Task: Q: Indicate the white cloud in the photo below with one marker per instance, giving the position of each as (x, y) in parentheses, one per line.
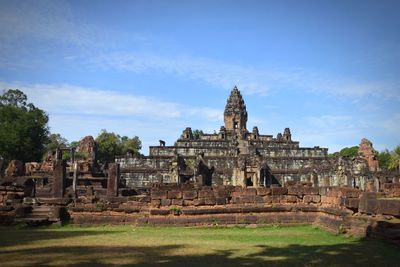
(42, 20)
(251, 80)
(55, 22)
(69, 99)
(211, 71)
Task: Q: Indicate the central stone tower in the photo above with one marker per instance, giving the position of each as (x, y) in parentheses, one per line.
(235, 114)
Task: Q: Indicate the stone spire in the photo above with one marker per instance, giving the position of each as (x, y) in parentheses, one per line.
(235, 114)
(367, 151)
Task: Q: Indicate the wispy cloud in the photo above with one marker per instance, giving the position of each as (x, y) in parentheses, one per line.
(55, 22)
(42, 20)
(251, 80)
(69, 99)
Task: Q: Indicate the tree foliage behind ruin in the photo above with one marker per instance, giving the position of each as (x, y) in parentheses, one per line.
(23, 128)
(197, 133)
(110, 144)
(349, 151)
(384, 159)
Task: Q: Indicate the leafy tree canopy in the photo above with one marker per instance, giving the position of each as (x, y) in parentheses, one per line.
(110, 144)
(197, 133)
(349, 151)
(14, 98)
(23, 128)
(384, 159)
(394, 163)
(54, 141)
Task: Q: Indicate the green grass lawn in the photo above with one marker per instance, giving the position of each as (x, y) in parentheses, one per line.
(162, 246)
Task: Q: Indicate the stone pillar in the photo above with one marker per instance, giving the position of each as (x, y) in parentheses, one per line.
(256, 178)
(75, 178)
(113, 180)
(242, 178)
(326, 181)
(72, 151)
(59, 179)
(314, 179)
(377, 185)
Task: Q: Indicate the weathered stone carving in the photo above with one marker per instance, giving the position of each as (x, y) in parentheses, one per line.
(15, 168)
(32, 167)
(47, 164)
(235, 114)
(287, 136)
(187, 133)
(87, 146)
(367, 152)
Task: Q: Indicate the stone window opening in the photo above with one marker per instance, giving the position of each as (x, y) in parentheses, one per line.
(249, 182)
(235, 124)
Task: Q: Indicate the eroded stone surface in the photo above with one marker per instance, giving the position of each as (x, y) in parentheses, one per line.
(15, 168)
(367, 151)
(87, 146)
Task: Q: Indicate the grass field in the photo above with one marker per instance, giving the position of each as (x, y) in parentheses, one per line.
(161, 246)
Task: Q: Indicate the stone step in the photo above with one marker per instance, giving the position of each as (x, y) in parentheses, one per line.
(32, 215)
(32, 220)
(43, 194)
(41, 208)
(40, 213)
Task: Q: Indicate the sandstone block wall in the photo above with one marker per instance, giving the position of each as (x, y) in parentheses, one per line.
(189, 195)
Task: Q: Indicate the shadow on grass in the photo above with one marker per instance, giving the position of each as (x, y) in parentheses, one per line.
(358, 253)
(20, 235)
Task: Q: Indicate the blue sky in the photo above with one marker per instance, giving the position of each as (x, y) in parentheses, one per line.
(329, 70)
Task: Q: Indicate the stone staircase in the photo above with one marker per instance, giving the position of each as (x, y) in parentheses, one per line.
(37, 215)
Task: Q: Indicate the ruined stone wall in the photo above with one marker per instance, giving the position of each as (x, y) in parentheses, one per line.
(142, 171)
(158, 151)
(332, 208)
(188, 195)
(209, 137)
(149, 163)
(145, 179)
(202, 143)
(292, 152)
(264, 137)
(337, 209)
(275, 144)
(10, 195)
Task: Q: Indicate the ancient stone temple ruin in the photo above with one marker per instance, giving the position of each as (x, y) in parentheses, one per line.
(234, 177)
(239, 157)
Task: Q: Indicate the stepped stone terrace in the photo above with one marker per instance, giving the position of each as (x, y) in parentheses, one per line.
(239, 157)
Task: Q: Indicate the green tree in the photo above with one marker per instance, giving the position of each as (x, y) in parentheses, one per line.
(23, 128)
(349, 151)
(74, 144)
(111, 144)
(197, 133)
(54, 141)
(384, 159)
(131, 145)
(14, 98)
(108, 145)
(394, 163)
